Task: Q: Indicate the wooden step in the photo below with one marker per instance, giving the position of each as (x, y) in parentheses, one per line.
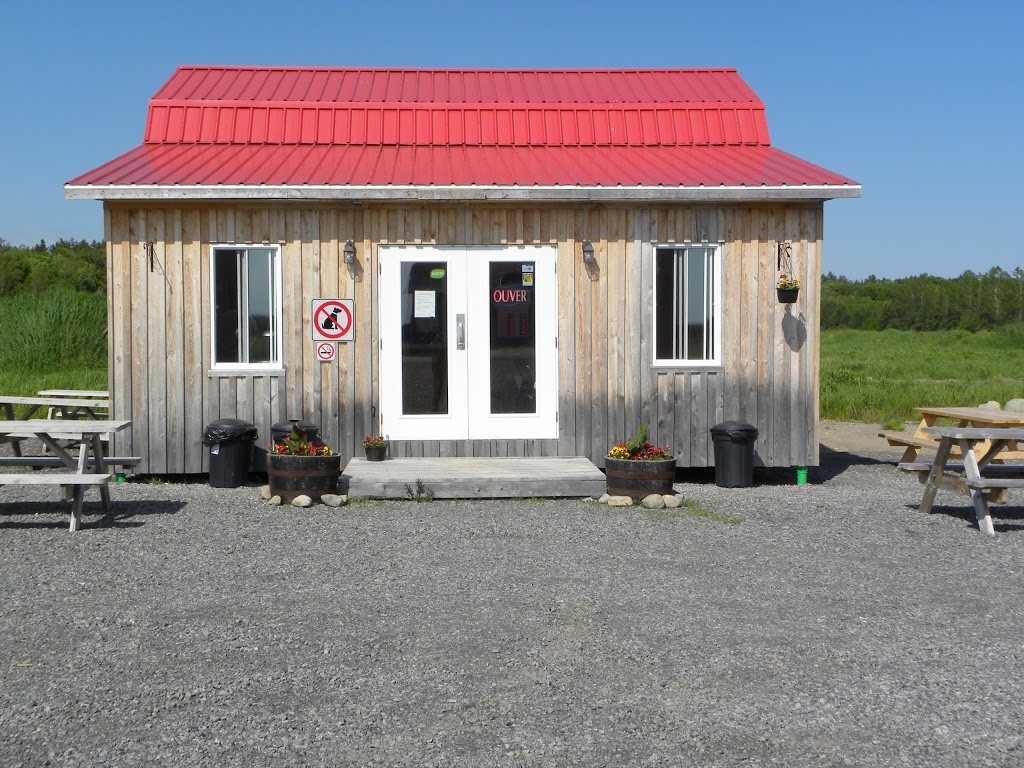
(459, 477)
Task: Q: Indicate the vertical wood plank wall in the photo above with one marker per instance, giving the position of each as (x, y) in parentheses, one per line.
(160, 341)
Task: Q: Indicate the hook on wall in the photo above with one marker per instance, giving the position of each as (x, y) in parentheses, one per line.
(785, 257)
(149, 249)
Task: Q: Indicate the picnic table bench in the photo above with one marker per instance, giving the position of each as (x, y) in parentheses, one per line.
(90, 468)
(966, 417)
(984, 481)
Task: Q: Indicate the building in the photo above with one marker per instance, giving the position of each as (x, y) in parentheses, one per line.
(537, 261)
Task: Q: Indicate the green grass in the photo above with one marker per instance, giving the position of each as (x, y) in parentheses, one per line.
(54, 340)
(879, 376)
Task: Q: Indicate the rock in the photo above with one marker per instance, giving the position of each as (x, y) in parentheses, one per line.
(274, 501)
(333, 499)
(673, 501)
(302, 501)
(654, 501)
(265, 492)
(1016, 405)
(619, 501)
(604, 499)
(991, 405)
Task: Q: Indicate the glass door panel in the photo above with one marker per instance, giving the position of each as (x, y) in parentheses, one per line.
(513, 342)
(513, 365)
(422, 370)
(424, 293)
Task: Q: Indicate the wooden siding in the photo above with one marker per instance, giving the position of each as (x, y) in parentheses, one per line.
(160, 343)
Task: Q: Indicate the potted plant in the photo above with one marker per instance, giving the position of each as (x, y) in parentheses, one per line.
(636, 468)
(787, 289)
(376, 447)
(298, 467)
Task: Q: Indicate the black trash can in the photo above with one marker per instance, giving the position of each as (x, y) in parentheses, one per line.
(282, 429)
(230, 442)
(734, 454)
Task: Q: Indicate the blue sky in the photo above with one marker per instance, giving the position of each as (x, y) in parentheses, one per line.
(920, 102)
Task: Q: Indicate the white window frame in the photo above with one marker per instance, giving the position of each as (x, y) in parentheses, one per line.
(712, 292)
(278, 337)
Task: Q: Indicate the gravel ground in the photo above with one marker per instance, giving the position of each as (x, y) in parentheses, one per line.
(820, 625)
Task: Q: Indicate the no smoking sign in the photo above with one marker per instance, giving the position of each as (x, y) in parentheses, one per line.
(333, 320)
(325, 351)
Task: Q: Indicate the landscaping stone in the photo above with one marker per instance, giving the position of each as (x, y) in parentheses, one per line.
(274, 501)
(333, 499)
(604, 499)
(991, 405)
(619, 501)
(1016, 405)
(265, 492)
(654, 501)
(302, 501)
(673, 502)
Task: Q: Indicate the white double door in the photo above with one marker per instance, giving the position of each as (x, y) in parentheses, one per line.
(468, 343)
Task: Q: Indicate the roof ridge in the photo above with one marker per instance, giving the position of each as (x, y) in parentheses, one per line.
(527, 70)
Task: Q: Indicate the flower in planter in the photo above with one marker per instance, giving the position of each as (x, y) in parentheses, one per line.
(296, 444)
(787, 283)
(374, 441)
(638, 449)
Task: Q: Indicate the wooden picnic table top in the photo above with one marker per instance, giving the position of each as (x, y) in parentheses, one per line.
(61, 427)
(87, 393)
(974, 415)
(976, 434)
(57, 402)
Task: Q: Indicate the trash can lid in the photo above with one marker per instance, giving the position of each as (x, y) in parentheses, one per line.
(227, 430)
(734, 429)
(286, 426)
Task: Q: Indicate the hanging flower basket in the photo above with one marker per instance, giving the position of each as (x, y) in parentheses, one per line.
(787, 289)
(787, 295)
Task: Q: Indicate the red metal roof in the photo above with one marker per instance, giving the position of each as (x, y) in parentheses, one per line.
(254, 126)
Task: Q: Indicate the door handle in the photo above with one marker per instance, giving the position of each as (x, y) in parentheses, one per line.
(460, 331)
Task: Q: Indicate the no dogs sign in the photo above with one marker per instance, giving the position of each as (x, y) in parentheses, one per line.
(333, 320)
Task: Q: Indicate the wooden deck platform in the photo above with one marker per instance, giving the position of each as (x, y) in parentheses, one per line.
(460, 477)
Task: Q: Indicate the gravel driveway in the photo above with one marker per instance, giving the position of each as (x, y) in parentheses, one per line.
(818, 625)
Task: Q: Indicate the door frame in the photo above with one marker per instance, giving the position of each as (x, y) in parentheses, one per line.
(469, 416)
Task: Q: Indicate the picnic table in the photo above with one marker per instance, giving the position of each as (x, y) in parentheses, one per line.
(981, 477)
(56, 408)
(90, 467)
(979, 418)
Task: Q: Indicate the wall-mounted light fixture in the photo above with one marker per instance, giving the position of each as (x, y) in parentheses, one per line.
(350, 253)
(588, 252)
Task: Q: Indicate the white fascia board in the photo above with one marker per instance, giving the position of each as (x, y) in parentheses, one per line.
(462, 193)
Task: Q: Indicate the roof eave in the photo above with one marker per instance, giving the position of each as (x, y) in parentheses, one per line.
(459, 193)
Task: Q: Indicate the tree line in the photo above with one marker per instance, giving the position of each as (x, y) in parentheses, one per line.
(66, 265)
(971, 302)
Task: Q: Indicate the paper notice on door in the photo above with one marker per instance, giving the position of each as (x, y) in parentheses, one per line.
(424, 304)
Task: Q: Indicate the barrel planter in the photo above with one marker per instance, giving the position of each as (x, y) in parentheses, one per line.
(639, 478)
(312, 476)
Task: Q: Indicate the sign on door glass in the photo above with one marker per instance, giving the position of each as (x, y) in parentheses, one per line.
(513, 349)
(424, 338)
